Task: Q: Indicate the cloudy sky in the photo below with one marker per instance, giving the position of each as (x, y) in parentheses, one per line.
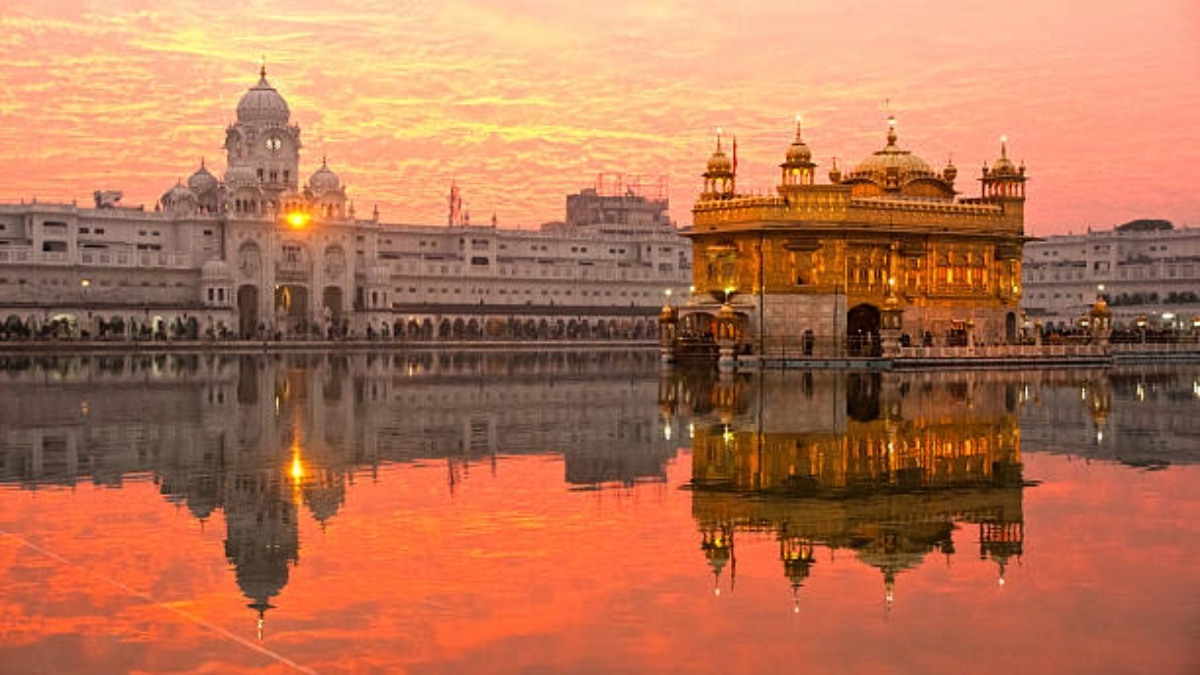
(524, 101)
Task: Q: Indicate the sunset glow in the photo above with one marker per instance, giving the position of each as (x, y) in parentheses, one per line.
(524, 101)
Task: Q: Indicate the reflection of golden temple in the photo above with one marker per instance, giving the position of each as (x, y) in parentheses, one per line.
(717, 544)
(882, 464)
(796, 552)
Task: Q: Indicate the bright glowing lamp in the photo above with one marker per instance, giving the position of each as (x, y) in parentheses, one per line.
(298, 220)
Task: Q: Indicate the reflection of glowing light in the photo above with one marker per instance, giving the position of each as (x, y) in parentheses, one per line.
(717, 591)
(1099, 436)
(1001, 581)
(1196, 389)
(297, 220)
(667, 432)
(1141, 392)
(1083, 394)
(297, 470)
(691, 431)
(728, 435)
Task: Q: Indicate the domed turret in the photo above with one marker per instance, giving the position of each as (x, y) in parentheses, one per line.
(1003, 166)
(262, 104)
(719, 162)
(835, 174)
(178, 193)
(324, 180)
(798, 152)
(950, 172)
(1003, 180)
(720, 174)
(202, 181)
(798, 165)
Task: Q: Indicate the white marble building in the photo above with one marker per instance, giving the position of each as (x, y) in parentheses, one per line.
(257, 253)
(1144, 269)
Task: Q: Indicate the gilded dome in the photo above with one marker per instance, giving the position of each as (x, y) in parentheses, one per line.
(905, 164)
(798, 152)
(202, 181)
(1004, 165)
(950, 172)
(324, 180)
(262, 104)
(719, 162)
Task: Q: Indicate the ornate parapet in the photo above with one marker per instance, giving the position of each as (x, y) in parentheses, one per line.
(827, 203)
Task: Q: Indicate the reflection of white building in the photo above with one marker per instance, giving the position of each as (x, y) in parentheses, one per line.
(259, 250)
(1143, 268)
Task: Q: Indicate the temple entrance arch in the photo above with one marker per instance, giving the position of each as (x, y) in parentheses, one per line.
(862, 331)
(247, 307)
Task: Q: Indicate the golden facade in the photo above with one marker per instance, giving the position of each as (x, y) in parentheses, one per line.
(818, 266)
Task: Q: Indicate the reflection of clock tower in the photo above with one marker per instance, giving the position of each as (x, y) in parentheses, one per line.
(263, 152)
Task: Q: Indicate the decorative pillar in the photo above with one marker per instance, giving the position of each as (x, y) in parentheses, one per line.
(1101, 321)
(668, 330)
(727, 338)
(891, 324)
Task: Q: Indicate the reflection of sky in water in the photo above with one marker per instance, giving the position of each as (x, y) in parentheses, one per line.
(381, 520)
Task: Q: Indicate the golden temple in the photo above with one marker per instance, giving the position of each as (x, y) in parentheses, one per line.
(885, 254)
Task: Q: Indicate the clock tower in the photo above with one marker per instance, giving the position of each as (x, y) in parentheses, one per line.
(263, 152)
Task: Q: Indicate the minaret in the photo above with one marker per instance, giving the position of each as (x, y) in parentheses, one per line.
(1004, 184)
(719, 179)
(798, 165)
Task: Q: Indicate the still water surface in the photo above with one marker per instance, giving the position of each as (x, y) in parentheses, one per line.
(590, 513)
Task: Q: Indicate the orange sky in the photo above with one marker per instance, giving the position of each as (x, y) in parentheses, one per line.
(523, 101)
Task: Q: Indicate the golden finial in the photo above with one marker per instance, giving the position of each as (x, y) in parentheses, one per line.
(891, 137)
(262, 66)
(718, 139)
(798, 127)
(1004, 146)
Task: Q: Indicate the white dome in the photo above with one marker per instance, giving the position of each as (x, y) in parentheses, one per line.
(216, 270)
(262, 104)
(177, 194)
(202, 181)
(324, 180)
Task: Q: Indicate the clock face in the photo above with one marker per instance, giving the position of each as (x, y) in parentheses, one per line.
(274, 144)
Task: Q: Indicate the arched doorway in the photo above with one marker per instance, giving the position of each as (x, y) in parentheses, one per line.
(1010, 328)
(291, 308)
(862, 331)
(247, 303)
(331, 304)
